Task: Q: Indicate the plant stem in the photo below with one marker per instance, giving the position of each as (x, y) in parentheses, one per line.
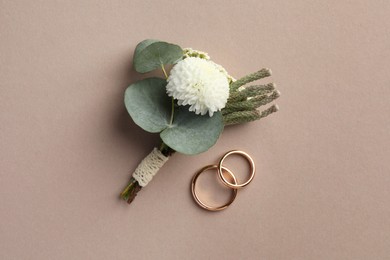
(172, 111)
(166, 150)
(133, 187)
(163, 69)
(173, 100)
(131, 190)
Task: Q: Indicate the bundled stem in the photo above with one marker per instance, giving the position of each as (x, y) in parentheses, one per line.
(131, 190)
(133, 187)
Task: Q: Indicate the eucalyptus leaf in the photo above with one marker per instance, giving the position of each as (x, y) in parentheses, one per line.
(152, 54)
(142, 45)
(148, 104)
(191, 133)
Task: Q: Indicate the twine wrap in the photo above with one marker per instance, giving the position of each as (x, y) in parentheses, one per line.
(149, 166)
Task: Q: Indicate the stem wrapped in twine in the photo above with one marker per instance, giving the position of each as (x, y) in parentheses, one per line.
(149, 166)
(144, 173)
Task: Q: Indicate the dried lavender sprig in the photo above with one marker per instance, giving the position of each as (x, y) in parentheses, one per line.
(250, 78)
(251, 103)
(236, 96)
(248, 104)
(267, 99)
(241, 117)
(250, 91)
(257, 90)
(272, 109)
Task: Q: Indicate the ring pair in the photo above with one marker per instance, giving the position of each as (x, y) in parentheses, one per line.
(220, 170)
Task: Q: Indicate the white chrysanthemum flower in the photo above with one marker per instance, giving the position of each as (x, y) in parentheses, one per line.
(222, 69)
(189, 52)
(199, 83)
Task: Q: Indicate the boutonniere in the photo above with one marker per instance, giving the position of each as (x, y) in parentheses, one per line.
(190, 105)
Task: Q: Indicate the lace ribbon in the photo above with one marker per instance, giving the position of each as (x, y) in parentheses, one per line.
(149, 166)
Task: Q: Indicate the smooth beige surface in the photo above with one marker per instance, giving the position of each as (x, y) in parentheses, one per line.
(67, 145)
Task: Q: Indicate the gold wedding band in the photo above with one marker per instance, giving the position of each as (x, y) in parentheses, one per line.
(219, 168)
(235, 185)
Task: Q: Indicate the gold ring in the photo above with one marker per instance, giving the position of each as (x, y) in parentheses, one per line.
(195, 195)
(235, 185)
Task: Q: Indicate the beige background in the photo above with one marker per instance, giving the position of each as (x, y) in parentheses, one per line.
(67, 145)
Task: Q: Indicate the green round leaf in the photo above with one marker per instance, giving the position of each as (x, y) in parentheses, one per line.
(152, 54)
(148, 104)
(191, 133)
(142, 45)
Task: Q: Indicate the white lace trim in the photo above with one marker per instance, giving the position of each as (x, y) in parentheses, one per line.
(149, 166)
